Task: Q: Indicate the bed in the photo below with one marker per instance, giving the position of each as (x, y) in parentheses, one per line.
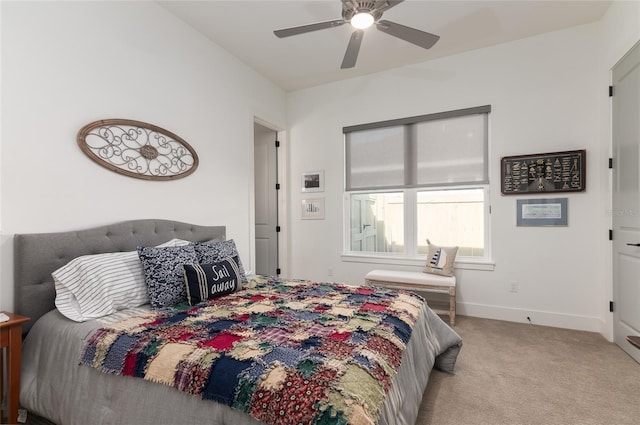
(57, 387)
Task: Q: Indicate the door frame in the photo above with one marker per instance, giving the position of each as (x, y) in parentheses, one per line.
(616, 246)
(283, 198)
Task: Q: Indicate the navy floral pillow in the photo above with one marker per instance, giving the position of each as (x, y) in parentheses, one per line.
(213, 252)
(163, 273)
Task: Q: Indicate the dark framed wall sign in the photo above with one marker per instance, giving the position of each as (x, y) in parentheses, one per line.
(544, 173)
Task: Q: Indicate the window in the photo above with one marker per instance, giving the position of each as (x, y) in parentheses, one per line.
(452, 217)
(377, 222)
(418, 178)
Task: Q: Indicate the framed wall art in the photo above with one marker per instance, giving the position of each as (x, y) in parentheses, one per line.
(543, 173)
(542, 212)
(313, 209)
(313, 181)
(137, 149)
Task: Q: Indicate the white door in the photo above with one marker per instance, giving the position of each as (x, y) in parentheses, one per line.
(626, 200)
(266, 200)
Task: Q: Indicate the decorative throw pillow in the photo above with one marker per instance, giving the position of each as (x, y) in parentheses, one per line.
(207, 281)
(213, 252)
(163, 273)
(440, 259)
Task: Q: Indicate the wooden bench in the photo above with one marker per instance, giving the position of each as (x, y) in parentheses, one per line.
(418, 281)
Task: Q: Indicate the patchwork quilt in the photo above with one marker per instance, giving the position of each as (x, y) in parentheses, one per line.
(283, 351)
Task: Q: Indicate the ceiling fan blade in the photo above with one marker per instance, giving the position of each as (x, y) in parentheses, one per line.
(351, 55)
(412, 35)
(287, 32)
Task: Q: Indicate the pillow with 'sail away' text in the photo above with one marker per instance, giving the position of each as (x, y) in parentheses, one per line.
(212, 252)
(208, 281)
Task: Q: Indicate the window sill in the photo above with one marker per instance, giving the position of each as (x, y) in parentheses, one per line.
(461, 263)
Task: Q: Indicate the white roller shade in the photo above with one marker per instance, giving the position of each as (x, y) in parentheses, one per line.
(451, 151)
(447, 148)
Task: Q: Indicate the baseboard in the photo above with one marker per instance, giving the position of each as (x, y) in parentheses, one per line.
(537, 317)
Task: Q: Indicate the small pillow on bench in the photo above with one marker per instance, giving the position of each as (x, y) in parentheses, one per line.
(440, 259)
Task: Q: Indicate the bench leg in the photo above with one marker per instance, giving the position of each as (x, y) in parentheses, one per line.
(452, 306)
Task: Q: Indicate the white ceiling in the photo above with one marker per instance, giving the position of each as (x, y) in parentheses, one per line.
(245, 29)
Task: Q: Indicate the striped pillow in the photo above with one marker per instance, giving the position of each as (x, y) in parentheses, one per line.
(93, 286)
(207, 281)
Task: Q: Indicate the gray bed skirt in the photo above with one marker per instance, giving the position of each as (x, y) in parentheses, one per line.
(56, 387)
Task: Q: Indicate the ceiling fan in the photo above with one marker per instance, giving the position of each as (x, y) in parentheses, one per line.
(362, 15)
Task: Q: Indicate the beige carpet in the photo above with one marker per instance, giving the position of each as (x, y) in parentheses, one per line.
(517, 374)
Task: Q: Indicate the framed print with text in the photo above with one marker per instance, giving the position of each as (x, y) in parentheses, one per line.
(542, 212)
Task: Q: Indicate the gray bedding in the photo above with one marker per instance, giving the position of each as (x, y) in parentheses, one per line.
(56, 387)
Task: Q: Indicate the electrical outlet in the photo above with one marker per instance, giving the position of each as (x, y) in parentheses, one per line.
(329, 271)
(513, 286)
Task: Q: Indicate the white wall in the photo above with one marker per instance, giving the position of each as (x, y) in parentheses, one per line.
(621, 29)
(547, 93)
(65, 64)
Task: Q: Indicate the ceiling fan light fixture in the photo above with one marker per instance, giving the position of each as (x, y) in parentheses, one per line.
(362, 20)
(362, 15)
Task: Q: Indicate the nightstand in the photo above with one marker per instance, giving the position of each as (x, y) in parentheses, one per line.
(10, 354)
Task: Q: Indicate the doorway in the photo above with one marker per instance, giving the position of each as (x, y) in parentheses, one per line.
(266, 200)
(626, 200)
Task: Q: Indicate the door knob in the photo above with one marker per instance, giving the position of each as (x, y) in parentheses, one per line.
(633, 244)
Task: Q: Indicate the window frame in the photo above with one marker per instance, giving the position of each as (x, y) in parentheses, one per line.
(410, 256)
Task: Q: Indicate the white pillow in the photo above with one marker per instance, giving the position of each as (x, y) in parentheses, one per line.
(93, 286)
(175, 242)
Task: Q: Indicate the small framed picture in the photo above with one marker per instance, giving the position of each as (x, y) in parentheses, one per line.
(313, 209)
(313, 181)
(542, 212)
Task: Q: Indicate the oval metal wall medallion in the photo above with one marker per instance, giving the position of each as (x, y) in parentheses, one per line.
(137, 149)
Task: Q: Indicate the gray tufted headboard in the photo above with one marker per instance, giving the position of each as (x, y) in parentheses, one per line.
(36, 255)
